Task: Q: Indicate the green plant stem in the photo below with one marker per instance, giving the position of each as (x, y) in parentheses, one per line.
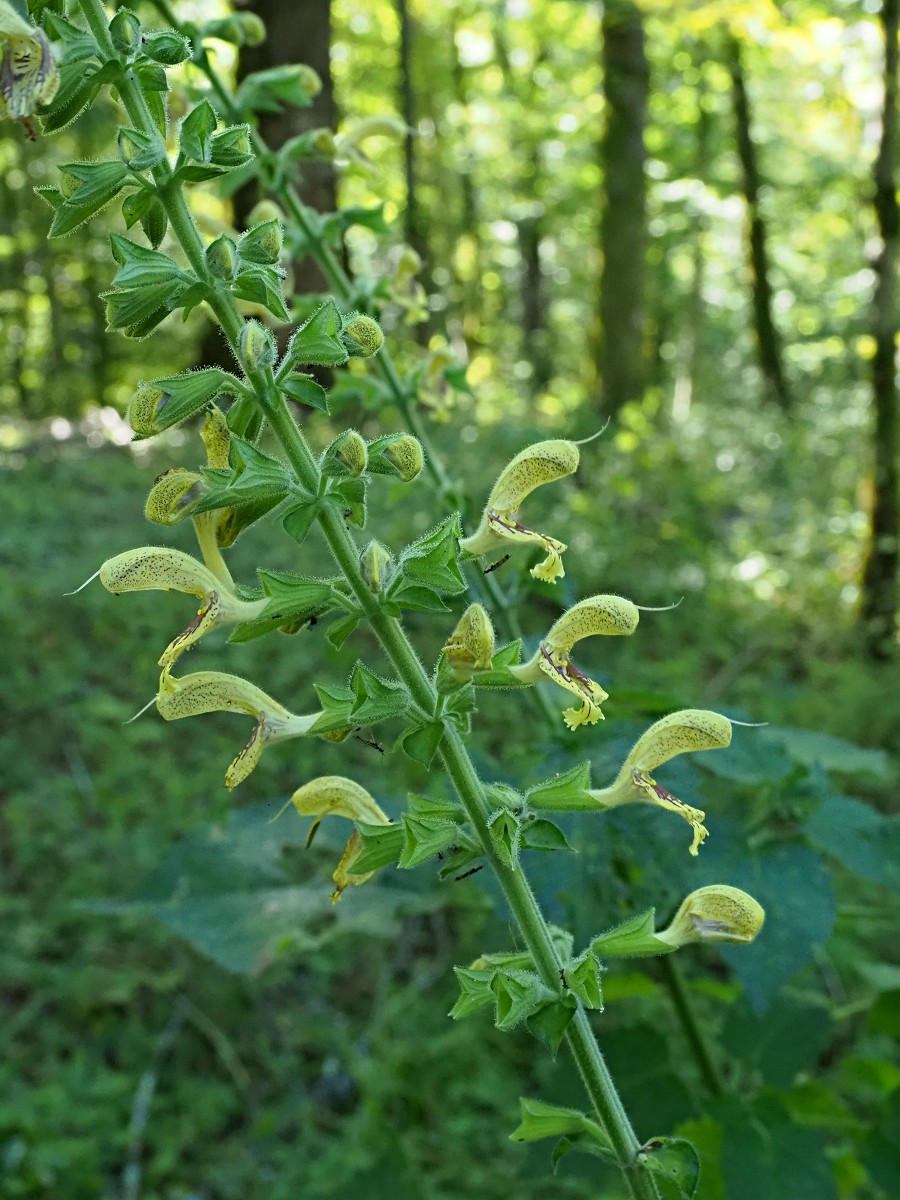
(678, 991)
(399, 649)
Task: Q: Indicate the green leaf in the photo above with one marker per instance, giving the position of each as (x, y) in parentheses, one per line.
(634, 938)
(540, 1120)
(550, 1021)
(860, 838)
(381, 846)
(305, 390)
(262, 479)
(766, 1154)
(298, 520)
(295, 595)
(433, 560)
(376, 699)
(475, 991)
(197, 129)
(262, 285)
(519, 995)
(568, 792)
(675, 1160)
(141, 150)
(140, 309)
(416, 597)
(231, 147)
(582, 976)
(271, 89)
(260, 245)
(80, 84)
(139, 267)
(154, 223)
(349, 497)
(424, 806)
(498, 676)
(317, 342)
(424, 837)
(504, 830)
(422, 741)
(340, 630)
(98, 183)
(543, 835)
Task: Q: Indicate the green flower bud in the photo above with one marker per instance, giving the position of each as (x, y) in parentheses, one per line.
(125, 30)
(376, 565)
(145, 407)
(347, 455)
(406, 455)
(308, 79)
(323, 142)
(470, 647)
(241, 29)
(68, 184)
(262, 244)
(258, 346)
(362, 336)
(221, 257)
(172, 495)
(166, 47)
(717, 913)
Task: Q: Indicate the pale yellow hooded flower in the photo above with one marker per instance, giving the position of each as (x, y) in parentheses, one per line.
(333, 795)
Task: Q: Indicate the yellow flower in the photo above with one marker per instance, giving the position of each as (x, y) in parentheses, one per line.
(29, 74)
(470, 646)
(717, 913)
(157, 568)
(333, 795)
(541, 463)
(606, 615)
(214, 691)
(678, 733)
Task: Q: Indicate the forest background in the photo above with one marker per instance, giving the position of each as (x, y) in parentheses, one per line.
(680, 218)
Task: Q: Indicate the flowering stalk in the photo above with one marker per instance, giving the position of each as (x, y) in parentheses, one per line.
(326, 490)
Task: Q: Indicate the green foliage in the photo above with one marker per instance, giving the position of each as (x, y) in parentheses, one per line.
(320, 1089)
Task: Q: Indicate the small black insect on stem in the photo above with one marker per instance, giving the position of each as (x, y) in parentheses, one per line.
(562, 978)
(466, 874)
(371, 744)
(497, 565)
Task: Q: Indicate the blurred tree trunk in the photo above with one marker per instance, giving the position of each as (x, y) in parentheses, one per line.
(768, 340)
(692, 331)
(529, 221)
(299, 32)
(415, 231)
(880, 584)
(471, 306)
(623, 225)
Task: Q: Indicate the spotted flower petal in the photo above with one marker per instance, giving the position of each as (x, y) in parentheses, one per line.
(678, 733)
(544, 462)
(604, 615)
(157, 568)
(333, 795)
(214, 691)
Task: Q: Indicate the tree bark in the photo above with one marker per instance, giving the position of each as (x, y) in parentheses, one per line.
(881, 583)
(414, 226)
(768, 340)
(623, 226)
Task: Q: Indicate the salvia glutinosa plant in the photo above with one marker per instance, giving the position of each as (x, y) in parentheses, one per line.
(550, 986)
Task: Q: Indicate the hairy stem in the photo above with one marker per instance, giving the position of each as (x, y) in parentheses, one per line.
(396, 644)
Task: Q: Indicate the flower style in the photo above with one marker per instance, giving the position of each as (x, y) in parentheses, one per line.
(717, 913)
(470, 647)
(157, 568)
(607, 615)
(214, 691)
(678, 733)
(333, 795)
(541, 463)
